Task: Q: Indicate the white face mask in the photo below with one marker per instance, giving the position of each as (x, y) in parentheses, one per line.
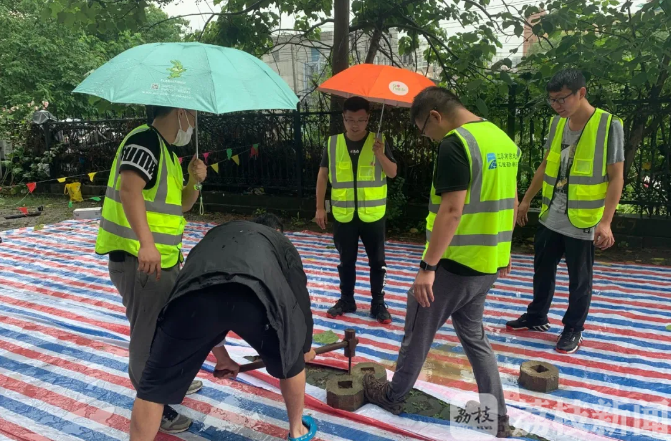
(183, 137)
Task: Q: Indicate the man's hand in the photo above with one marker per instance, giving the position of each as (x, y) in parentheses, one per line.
(227, 365)
(378, 147)
(149, 260)
(522, 211)
(603, 236)
(309, 356)
(197, 170)
(423, 287)
(506, 271)
(320, 218)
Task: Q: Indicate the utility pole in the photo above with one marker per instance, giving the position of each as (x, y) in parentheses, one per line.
(340, 54)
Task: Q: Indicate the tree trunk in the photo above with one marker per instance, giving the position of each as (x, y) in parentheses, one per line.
(374, 46)
(339, 56)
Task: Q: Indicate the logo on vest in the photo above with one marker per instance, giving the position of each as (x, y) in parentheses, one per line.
(398, 88)
(491, 161)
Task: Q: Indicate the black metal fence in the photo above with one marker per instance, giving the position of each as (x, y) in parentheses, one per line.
(291, 145)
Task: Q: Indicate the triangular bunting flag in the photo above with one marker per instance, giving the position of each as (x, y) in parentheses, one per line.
(91, 176)
(254, 152)
(205, 156)
(180, 160)
(229, 153)
(215, 167)
(236, 159)
(31, 186)
(61, 180)
(23, 210)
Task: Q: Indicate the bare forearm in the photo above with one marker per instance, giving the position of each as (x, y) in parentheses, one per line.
(389, 167)
(189, 196)
(221, 353)
(444, 227)
(536, 184)
(322, 182)
(612, 198)
(134, 207)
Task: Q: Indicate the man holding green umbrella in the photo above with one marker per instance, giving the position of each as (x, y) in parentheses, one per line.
(142, 218)
(141, 230)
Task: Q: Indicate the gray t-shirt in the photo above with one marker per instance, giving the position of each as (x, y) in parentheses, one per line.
(556, 218)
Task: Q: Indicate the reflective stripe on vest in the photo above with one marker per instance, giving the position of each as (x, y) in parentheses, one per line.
(587, 182)
(163, 206)
(371, 193)
(484, 235)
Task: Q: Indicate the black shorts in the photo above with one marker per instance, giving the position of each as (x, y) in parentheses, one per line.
(192, 325)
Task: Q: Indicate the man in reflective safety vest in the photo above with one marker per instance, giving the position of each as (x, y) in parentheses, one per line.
(469, 231)
(582, 179)
(141, 230)
(357, 165)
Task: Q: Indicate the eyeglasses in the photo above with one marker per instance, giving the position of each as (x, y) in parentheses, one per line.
(426, 121)
(562, 100)
(356, 121)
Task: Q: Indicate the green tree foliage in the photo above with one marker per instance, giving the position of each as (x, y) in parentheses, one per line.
(42, 60)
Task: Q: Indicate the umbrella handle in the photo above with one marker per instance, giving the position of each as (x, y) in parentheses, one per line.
(379, 128)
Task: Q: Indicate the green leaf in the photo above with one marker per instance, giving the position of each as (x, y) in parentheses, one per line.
(639, 79)
(326, 338)
(97, 199)
(482, 107)
(503, 89)
(546, 70)
(474, 85)
(668, 327)
(70, 204)
(505, 77)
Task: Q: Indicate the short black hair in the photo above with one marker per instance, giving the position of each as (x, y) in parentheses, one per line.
(571, 78)
(434, 98)
(356, 103)
(270, 220)
(157, 111)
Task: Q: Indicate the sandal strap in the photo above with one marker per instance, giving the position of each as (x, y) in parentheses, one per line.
(309, 424)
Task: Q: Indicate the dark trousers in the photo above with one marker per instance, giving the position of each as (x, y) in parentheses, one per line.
(550, 247)
(346, 237)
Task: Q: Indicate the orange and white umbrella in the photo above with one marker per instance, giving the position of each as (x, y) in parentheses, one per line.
(382, 84)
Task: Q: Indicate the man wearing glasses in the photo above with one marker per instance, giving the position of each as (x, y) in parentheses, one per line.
(469, 231)
(581, 179)
(357, 166)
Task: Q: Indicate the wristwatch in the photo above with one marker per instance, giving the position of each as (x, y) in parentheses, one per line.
(426, 267)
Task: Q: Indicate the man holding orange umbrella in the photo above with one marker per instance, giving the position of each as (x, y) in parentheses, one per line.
(357, 163)
(359, 202)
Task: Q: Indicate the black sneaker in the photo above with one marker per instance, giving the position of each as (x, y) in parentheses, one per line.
(378, 310)
(523, 323)
(341, 307)
(569, 341)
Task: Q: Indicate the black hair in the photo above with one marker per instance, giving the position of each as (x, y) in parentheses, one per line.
(270, 220)
(158, 111)
(356, 103)
(434, 98)
(571, 78)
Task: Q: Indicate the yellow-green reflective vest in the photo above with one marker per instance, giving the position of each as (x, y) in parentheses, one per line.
(163, 203)
(588, 178)
(371, 182)
(483, 238)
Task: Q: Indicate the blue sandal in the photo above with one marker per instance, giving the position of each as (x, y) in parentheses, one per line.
(311, 425)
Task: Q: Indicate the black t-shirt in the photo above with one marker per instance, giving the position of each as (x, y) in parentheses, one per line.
(354, 148)
(453, 173)
(141, 154)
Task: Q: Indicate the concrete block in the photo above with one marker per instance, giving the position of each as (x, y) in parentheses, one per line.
(363, 369)
(539, 376)
(345, 392)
